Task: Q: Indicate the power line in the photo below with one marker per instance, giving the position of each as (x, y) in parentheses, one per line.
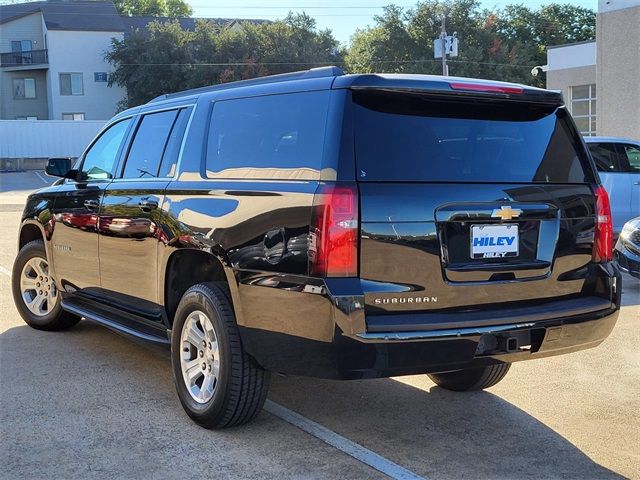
(240, 64)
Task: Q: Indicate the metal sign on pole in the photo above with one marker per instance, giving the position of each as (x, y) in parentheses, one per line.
(445, 45)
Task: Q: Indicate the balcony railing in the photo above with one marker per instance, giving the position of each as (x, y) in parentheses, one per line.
(20, 59)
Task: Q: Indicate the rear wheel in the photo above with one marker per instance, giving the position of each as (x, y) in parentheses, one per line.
(471, 378)
(34, 291)
(218, 384)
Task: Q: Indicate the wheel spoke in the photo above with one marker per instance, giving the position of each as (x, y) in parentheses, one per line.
(38, 268)
(207, 386)
(195, 336)
(28, 283)
(35, 305)
(40, 304)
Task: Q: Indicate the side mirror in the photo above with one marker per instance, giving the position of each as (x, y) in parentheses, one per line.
(60, 167)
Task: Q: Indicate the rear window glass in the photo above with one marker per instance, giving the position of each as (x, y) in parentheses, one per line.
(404, 137)
(278, 137)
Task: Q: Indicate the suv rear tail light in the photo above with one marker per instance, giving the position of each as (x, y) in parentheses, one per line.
(333, 242)
(603, 235)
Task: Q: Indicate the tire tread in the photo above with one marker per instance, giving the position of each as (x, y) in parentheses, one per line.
(472, 378)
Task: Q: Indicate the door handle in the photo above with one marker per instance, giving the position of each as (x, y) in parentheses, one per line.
(636, 183)
(91, 204)
(148, 205)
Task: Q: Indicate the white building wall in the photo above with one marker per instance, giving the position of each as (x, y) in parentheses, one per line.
(572, 56)
(618, 79)
(82, 52)
(45, 138)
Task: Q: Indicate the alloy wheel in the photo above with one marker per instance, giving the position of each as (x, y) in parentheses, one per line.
(199, 356)
(39, 292)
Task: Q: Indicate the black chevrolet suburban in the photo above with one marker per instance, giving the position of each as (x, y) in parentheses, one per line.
(329, 225)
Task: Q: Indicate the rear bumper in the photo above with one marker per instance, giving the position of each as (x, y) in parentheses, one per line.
(372, 355)
(342, 347)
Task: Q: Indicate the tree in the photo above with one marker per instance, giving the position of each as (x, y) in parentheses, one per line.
(503, 44)
(165, 58)
(156, 8)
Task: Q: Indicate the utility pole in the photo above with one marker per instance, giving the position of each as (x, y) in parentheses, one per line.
(443, 40)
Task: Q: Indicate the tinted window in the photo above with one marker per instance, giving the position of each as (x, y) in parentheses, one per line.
(270, 137)
(632, 152)
(171, 152)
(145, 154)
(403, 137)
(100, 160)
(605, 156)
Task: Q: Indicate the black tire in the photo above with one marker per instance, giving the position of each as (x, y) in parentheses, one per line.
(471, 378)
(242, 385)
(56, 318)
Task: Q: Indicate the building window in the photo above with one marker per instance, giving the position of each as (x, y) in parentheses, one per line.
(26, 118)
(24, 88)
(22, 51)
(73, 116)
(583, 108)
(71, 84)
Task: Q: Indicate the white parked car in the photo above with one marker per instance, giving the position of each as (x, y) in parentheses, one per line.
(618, 162)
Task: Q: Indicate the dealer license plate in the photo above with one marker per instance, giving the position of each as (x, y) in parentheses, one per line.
(494, 241)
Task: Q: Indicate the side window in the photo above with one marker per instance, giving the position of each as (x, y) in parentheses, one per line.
(605, 156)
(632, 152)
(145, 154)
(171, 152)
(275, 137)
(100, 160)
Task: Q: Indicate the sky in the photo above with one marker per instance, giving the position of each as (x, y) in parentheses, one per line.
(343, 17)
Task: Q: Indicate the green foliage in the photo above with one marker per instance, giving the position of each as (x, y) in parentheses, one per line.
(157, 8)
(503, 44)
(167, 58)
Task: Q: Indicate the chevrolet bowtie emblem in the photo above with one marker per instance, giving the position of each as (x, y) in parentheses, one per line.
(506, 213)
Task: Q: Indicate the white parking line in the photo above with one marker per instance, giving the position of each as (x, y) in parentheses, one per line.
(4, 271)
(343, 444)
(42, 178)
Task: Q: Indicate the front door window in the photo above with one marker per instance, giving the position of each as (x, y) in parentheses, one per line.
(99, 162)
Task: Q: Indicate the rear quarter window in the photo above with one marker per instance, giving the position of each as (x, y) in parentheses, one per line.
(404, 137)
(273, 137)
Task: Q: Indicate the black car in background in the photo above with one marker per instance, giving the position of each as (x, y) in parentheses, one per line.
(627, 249)
(331, 225)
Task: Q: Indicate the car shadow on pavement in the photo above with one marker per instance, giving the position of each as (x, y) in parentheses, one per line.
(438, 433)
(107, 400)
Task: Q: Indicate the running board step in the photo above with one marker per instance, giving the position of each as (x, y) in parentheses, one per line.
(114, 320)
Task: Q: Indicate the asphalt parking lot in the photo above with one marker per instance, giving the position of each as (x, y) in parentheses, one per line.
(89, 403)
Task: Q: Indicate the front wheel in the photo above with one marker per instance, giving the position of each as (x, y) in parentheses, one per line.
(34, 290)
(218, 384)
(471, 378)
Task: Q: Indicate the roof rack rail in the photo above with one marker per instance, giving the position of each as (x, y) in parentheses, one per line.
(318, 72)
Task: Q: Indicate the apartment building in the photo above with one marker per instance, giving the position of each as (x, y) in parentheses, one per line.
(600, 79)
(52, 60)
